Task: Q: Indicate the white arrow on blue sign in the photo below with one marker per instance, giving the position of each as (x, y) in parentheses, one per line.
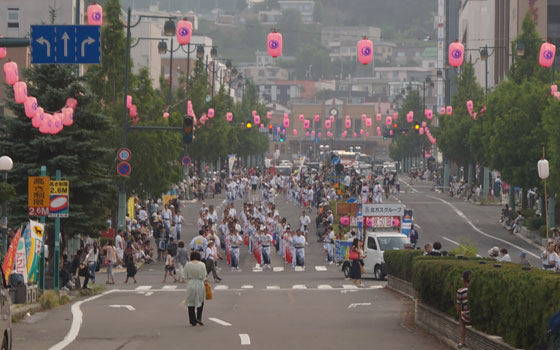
(70, 44)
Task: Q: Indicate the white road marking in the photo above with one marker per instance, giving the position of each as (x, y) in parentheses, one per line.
(299, 269)
(299, 286)
(349, 286)
(344, 291)
(247, 286)
(257, 269)
(220, 322)
(460, 213)
(272, 287)
(320, 268)
(245, 340)
(77, 317)
(143, 287)
(452, 241)
(129, 307)
(148, 294)
(354, 305)
(221, 287)
(324, 286)
(169, 287)
(278, 269)
(376, 287)
(415, 224)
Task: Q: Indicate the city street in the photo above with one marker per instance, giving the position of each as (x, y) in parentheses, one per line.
(272, 309)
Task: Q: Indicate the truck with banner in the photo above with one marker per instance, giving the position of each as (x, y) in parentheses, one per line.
(382, 230)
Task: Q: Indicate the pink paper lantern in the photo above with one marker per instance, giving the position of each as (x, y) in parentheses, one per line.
(278, 129)
(3, 51)
(312, 132)
(365, 51)
(307, 133)
(229, 117)
(11, 73)
(553, 89)
(424, 124)
(184, 31)
(449, 110)
(367, 133)
(346, 116)
(331, 118)
(30, 105)
(301, 118)
(546, 56)
(132, 111)
(286, 123)
(38, 118)
(345, 220)
(95, 14)
(44, 127)
(67, 115)
(165, 115)
(470, 106)
(257, 119)
(58, 122)
(362, 132)
(395, 116)
(475, 114)
(319, 134)
(327, 124)
(364, 117)
(378, 117)
(456, 54)
(369, 122)
(428, 113)
(286, 115)
(274, 44)
(442, 110)
(409, 117)
(378, 129)
(211, 113)
(253, 113)
(421, 131)
(262, 126)
(391, 132)
(306, 124)
(268, 115)
(355, 134)
(284, 131)
(344, 133)
(348, 123)
(369, 221)
(396, 222)
(317, 118)
(329, 134)
(71, 102)
(20, 92)
(388, 121)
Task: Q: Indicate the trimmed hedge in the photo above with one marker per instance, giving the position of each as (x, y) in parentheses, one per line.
(507, 301)
(399, 264)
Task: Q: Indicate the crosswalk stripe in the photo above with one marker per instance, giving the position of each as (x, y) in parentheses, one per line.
(247, 286)
(299, 269)
(278, 269)
(349, 286)
(320, 268)
(257, 269)
(299, 286)
(169, 287)
(221, 286)
(324, 286)
(272, 287)
(143, 287)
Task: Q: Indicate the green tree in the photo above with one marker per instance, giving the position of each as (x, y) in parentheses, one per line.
(292, 28)
(410, 143)
(78, 151)
(453, 133)
(318, 12)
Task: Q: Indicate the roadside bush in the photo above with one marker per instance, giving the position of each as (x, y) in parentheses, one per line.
(528, 213)
(534, 223)
(507, 301)
(49, 300)
(465, 249)
(399, 262)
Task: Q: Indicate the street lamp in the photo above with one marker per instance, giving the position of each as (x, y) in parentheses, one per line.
(6, 164)
(162, 47)
(169, 27)
(542, 167)
(520, 49)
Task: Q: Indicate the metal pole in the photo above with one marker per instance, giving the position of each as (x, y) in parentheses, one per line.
(213, 76)
(171, 74)
(122, 193)
(4, 219)
(56, 255)
(188, 69)
(41, 277)
(545, 207)
(486, 75)
(185, 148)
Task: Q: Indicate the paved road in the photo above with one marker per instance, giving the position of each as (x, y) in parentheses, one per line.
(272, 309)
(452, 221)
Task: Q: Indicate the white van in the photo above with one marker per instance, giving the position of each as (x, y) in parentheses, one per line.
(374, 246)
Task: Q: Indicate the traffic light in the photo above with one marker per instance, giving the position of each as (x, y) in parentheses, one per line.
(188, 129)
(270, 129)
(248, 125)
(395, 125)
(282, 138)
(416, 126)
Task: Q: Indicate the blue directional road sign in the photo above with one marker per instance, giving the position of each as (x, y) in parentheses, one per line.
(70, 44)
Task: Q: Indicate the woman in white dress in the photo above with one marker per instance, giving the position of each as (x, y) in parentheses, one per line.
(194, 274)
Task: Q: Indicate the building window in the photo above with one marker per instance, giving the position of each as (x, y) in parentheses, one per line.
(13, 18)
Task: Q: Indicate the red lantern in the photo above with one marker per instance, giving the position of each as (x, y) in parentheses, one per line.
(294, 132)
(388, 120)
(3, 51)
(449, 110)
(165, 115)
(301, 118)
(378, 117)
(128, 101)
(38, 118)
(347, 123)
(257, 119)
(429, 114)
(95, 14)
(306, 124)
(30, 105)
(327, 124)
(286, 122)
(11, 73)
(274, 44)
(546, 56)
(71, 102)
(268, 115)
(20, 91)
(456, 54)
(369, 122)
(317, 118)
(67, 114)
(184, 31)
(307, 133)
(378, 129)
(365, 51)
(132, 111)
(442, 110)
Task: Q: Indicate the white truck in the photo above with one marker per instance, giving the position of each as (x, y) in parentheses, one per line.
(374, 245)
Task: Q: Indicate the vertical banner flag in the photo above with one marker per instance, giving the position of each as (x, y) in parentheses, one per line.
(21, 259)
(10, 256)
(37, 230)
(130, 207)
(231, 162)
(27, 236)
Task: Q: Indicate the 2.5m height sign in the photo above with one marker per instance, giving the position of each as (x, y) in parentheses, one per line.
(59, 198)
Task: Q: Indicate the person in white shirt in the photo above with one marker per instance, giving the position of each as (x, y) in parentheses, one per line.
(178, 220)
(211, 255)
(377, 193)
(304, 222)
(235, 241)
(299, 245)
(142, 215)
(365, 192)
(504, 256)
(119, 244)
(329, 239)
(266, 240)
(347, 181)
(166, 215)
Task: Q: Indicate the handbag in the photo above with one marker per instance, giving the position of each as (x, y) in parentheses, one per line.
(353, 255)
(209, 295)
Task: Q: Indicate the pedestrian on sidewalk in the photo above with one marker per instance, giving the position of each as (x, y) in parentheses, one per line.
(463, 308)
(181, 259)
(111, 259)
(195, 275)
(413, 234)
(169, 268)
(355, 269)
(91, 260)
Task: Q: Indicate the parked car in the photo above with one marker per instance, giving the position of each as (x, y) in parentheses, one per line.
(5, 315)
